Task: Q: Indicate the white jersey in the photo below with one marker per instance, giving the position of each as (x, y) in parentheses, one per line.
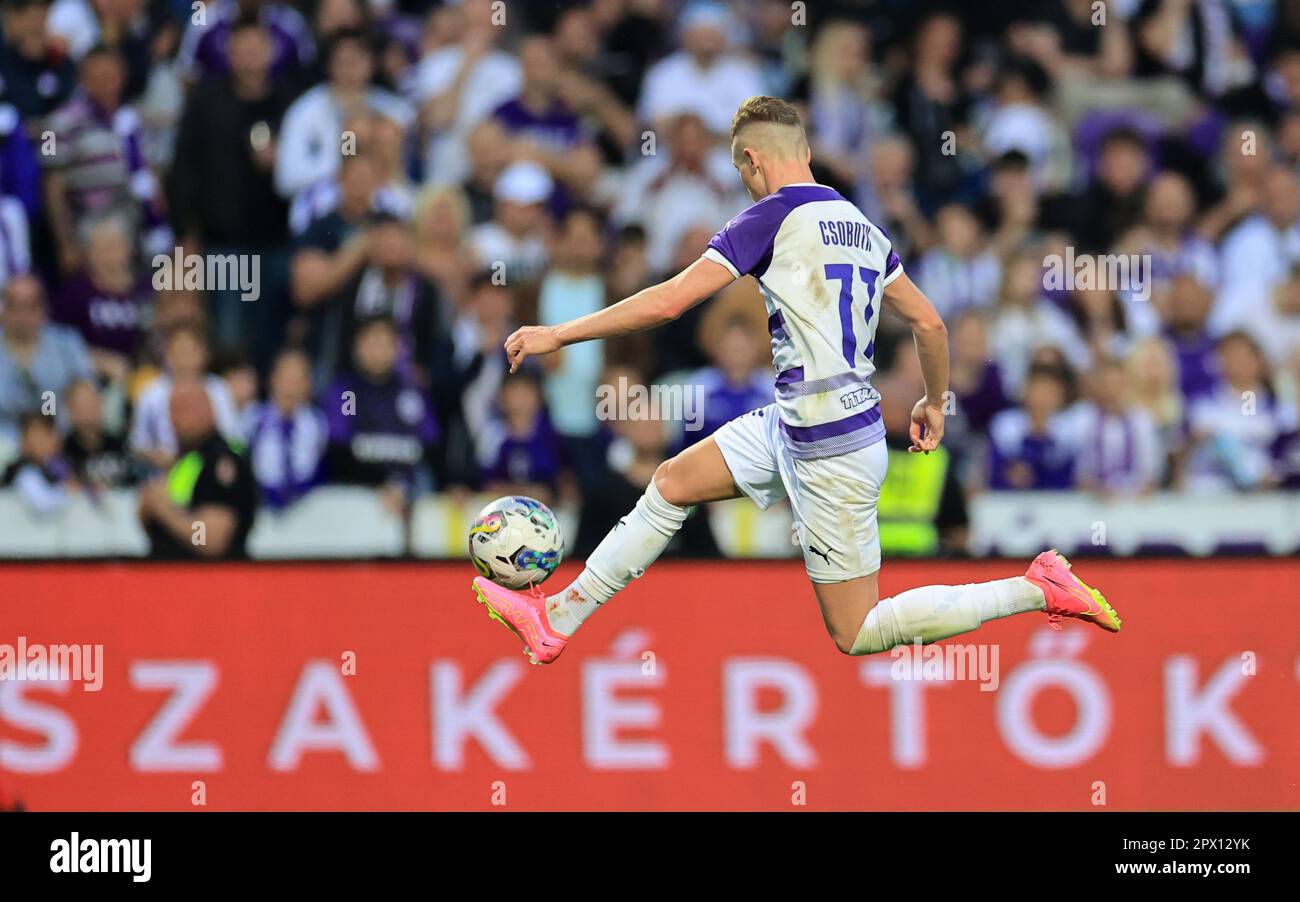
(822, 268)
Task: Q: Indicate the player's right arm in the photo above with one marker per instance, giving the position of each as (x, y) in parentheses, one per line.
(931, 337)
(646, 309)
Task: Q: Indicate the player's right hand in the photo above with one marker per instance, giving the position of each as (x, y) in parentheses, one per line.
(926, 430)
(530, 341)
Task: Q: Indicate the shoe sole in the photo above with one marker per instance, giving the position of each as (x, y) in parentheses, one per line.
(1109, 611)
(494, 614)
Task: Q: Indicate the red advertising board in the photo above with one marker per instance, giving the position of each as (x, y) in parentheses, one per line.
(705, 686)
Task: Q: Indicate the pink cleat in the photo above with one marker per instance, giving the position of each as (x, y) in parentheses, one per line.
(1069, 596)
(524, 614)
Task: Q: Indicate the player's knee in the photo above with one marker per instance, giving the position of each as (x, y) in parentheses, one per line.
(670, 486)
(844, 641)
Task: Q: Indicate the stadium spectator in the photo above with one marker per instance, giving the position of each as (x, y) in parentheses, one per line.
(933, 109)
(392, 286)
(478, 337)
(382, 428)
(311, 140)
(203, 509)
(540, 124)
(39, 360)
(975, 379)
(1234, 429)
(960, 271)
(1120, 452)
(1260, 290)
(519, 452)
(287, 434)
(639, 446)
(109, 302)
(97, 165)
(1165, 237)
(441, 220)
(490, 152)
(735, 382)
(99, 459)
(221, 191)
(704, 77)
(187, 357)
(208, 47)
(574, 287)
(41, 475)
(676, 188)
(1152, 383)
(1024, 320)
(890, 197)
(1114, 201)
(1189, 337)
(1034, 446)
(1021, 121)
(461, 80)
(513, 242)
(33, 79)
(847, 115)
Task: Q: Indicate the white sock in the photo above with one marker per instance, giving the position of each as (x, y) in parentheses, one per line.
(932, 613)
(623, 555)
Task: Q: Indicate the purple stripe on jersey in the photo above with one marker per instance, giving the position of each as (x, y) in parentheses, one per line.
(891, 262)
(790, 376)
(776, 325)
(746, 241)
(831, 430)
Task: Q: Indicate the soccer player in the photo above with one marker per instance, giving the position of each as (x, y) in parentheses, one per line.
(825, 272)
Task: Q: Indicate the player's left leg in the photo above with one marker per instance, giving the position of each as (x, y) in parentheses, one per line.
(545, 623)
(695, 476)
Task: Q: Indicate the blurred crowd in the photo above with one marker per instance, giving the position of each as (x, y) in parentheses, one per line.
(409, 180)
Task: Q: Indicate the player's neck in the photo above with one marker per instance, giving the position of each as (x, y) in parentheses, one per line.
(779, 176)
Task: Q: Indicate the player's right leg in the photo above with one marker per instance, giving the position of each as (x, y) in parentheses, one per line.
(930, 613)
(544, 624)
(834, 500)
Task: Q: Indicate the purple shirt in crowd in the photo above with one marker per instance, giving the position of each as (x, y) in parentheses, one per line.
(536, 458)
(108, 320)
(206, 50)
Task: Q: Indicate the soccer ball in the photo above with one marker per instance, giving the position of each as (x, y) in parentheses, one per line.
(516, 541)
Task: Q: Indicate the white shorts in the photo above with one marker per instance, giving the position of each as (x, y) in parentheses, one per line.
(834, 498)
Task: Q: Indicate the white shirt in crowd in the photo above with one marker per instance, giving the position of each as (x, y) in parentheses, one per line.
(1256, 259)
(495, 78)
(311, 136)
(677, 84)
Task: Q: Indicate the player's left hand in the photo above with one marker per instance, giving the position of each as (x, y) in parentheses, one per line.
(926, 430)
(530, 341)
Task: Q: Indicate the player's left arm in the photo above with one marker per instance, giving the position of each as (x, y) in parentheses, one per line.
(646, 309)
(931, 337)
